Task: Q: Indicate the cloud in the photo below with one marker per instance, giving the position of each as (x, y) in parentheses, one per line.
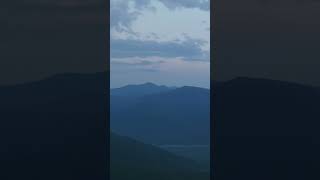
(124, 12)
(138, 61)
(138, 64)
(120, 17)
(201, 4)
(126, 41)
(188, 49)
(169, 71)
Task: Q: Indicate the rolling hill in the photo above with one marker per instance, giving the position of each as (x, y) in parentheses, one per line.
(131, 159)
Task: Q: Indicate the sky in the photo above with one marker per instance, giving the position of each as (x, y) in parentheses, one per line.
(161, 41)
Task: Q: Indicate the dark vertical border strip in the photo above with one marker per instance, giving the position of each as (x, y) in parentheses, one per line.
(107, 60)
(212, 121)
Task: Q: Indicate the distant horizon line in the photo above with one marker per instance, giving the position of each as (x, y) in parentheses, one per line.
(156, 84)
(114, 87)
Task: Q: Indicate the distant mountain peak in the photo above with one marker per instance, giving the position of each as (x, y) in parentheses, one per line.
(146, 84)
(138, 90)
(149, 84)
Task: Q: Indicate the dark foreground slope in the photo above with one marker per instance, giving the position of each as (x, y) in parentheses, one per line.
(54, 128)
(265, 130)
(131, 159)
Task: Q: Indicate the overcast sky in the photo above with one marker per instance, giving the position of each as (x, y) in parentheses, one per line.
(161, 41)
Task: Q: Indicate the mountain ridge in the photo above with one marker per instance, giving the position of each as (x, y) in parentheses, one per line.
(138, 90)
(167, 111)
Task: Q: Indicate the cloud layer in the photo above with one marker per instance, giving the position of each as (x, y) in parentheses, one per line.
(167, 71)
(188, 50)
(148, 45)
(123, 12)
(130, 44)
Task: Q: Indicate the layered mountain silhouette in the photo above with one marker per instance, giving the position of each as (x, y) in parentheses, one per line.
(163, 115)
(127, 96)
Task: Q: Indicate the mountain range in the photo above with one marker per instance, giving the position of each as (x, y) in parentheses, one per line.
(139, 90)
(182, 113)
